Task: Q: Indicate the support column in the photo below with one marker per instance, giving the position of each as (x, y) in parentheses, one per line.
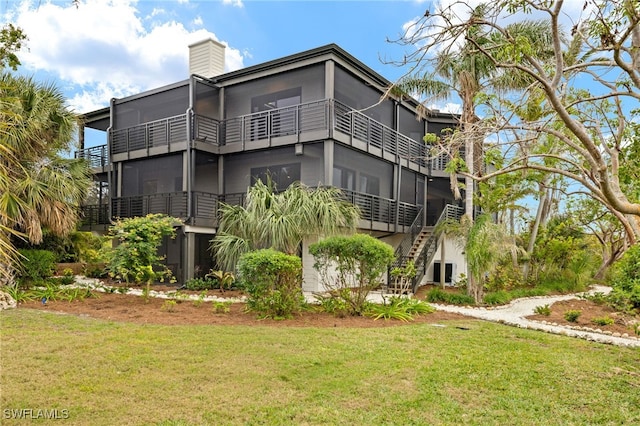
(443, 265)
(189, 256)
(328, 162)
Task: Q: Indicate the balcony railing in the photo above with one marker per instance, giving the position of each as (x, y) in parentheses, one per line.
(205, 206)
(164, 132)
(96, 156)
(327, 114)
(172, 204)
(94, 215)
(323, 115)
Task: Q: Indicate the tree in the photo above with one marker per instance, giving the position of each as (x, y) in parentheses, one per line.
(351, 267)
(583, 98)
(460, 68)
(135, 257)
(484, 243)
(11, 39)
(280, 220)
(604, 226)
(39, 186)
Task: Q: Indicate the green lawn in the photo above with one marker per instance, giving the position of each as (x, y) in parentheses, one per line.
(108, 373)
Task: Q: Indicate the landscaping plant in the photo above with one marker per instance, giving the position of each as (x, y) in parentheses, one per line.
(625, 282)
(135, 257)
(273, 281)
(351, 266)
(225, 279)
(400, 308)
(572, 315)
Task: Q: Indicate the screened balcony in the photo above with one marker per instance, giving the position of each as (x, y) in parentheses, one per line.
(299, 123)
(96, 156)
(326, 117)
(377, 213)
(164, 134)
(94, 217)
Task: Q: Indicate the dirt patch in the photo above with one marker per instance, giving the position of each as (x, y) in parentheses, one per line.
(589, 311)
(129, 308)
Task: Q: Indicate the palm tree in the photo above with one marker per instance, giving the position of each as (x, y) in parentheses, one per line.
(39, 186)
(280, 220)
(469, 70)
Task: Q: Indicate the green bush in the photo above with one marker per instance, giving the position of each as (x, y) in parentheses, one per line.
(500, 297)
(625, 281)
(542, 310)
(273, 282)
(359, 262)
(199, 284)
(135, 258)
(438, 295)
(336, 306)
(603, 321)
(572, 315)
(400, 308)
(37, 265)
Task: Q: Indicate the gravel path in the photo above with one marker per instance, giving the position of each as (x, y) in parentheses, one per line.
(514, 314)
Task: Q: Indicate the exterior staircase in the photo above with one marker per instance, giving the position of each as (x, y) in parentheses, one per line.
(422, 242)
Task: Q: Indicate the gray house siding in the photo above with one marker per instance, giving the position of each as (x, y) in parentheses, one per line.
(184, 148)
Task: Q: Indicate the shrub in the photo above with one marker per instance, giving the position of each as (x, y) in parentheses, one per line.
(400, 308)
(572, 315)
(37, 265)
(625, 281)
(359, 262)
(135, 258)
(169, 305)
(224, 279)
(336, 306)
(221, 307)
(603, 321)
(199, 284)
(95, 270)
(437, 295)
(500, 297)
(599, 298)
(542, 310)
(273, 281)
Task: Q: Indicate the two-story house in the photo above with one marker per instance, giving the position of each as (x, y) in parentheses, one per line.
(316, 117)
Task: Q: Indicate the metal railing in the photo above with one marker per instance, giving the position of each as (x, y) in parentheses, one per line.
(94, 215)
(164, 132)
(326, 114)
(172, 204)
(374, 208)
(96, 156)
(428, 252)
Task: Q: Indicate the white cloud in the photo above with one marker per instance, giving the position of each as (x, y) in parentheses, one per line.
(235, 3)
(106, 49)
(572, 12)
(449, 107)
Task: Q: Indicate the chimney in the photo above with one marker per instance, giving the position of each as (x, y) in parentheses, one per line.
(206, 58)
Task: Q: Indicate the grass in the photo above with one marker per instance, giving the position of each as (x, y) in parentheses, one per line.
(468, 372)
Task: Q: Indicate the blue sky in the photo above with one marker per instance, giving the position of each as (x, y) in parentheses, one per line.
(103, 49)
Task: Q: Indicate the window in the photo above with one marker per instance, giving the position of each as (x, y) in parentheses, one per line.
(282, 176)
(283, 122)
(344, 178)
(369, 184)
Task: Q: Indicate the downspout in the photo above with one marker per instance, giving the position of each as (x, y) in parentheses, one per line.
(399, 178)
(190, 165)
(112, 168)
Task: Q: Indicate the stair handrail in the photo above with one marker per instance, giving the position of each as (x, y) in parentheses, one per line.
(428, 252)
(404, 247)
